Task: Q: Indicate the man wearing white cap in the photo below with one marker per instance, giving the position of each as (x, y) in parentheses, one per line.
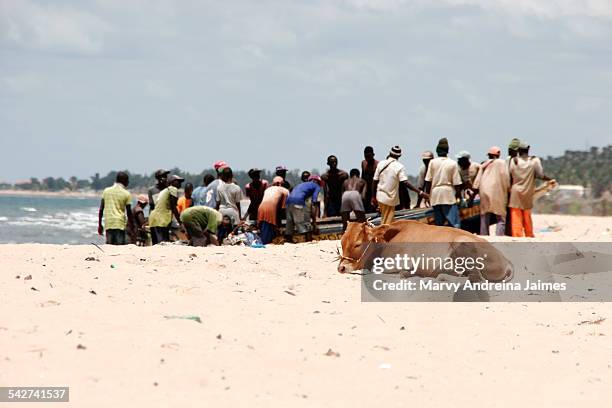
(492, 184)
(444, 182)
(389, 177)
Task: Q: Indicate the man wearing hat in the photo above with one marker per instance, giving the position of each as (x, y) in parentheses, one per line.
(389, 177)
(140, 220)
(255, 191)
(492, 184)
(161, 217)
(444, 183)
(512, 152)
(426, 156)
(281, 171)
(524, 170)
(161, 177)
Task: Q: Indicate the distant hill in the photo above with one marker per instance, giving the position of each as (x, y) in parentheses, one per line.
(591, 168)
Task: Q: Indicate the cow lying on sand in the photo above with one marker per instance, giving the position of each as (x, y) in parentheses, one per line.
(450, 242)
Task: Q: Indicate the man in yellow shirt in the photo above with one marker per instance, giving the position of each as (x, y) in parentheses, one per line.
(115, 204)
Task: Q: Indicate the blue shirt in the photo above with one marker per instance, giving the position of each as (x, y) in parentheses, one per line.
(206, 195)
(302, 191)
(199, 195)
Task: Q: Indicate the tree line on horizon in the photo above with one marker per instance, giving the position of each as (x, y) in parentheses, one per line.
(589, 168)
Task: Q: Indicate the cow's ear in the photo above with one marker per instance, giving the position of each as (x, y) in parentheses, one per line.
(377, 234)
(390, 233)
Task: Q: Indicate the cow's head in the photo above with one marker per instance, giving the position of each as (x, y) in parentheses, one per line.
(355, 241)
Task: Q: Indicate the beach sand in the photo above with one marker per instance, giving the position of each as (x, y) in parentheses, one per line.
(280, 327)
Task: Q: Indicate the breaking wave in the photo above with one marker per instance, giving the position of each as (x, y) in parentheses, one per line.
(78, 220)
(28, 209)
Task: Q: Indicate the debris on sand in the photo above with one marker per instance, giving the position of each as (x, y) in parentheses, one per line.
(34, 289)
(81, 347)
(597, 321)
(194, 318)
(92, 258)
(290, 293)
(29, 277)
(93, 292)
(332, 353)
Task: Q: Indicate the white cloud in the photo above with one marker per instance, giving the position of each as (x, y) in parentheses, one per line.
(20, 83)
(540, 8)
(51, 28)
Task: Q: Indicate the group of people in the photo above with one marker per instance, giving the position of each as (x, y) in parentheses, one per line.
(211, 212)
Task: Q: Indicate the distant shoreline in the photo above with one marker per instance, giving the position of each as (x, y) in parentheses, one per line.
(74, 194)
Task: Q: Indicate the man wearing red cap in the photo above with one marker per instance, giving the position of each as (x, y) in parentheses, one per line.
(492, 184)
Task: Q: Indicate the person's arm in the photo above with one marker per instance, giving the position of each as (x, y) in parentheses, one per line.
(374, 191)
(151, 201)
(364, 189)
(131, 227)
(419, 192)
(100, 214)
(141, 219)
(173, 203)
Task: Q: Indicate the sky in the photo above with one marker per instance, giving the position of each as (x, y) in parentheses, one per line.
(94, 86)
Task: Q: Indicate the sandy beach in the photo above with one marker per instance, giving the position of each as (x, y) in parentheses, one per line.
(280, 327)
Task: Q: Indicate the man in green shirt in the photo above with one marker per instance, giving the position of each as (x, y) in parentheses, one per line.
(200, 223)
(114, 206)
(161, 217)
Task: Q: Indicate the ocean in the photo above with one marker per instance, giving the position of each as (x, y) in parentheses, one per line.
(49, 220)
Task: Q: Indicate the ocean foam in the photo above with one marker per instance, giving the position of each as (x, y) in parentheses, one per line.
(29, 209)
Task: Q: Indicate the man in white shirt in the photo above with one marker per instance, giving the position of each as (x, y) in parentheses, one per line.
(444, 182)
(389, 177)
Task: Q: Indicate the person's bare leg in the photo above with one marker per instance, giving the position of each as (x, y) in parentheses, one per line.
(345, 218)
(360, 216)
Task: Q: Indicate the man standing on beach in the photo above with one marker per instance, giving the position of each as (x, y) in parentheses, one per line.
(229, 195)
(354, 192)
(468, 170)
(273, 201)
(161, 217)
(255, 192)
(161, 176)
(444, 182)
(512, 152)
(334, 179)
(492, 184)
(185, 201)
(523, 172)
(368, 168)
(114, 206)
(426, 156)
(199, 193)
(389, 177)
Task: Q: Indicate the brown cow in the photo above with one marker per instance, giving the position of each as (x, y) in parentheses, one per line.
(453, 243)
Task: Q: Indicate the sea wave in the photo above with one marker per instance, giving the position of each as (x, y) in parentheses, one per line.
(3, 219)
(29, 209)
(78, 221)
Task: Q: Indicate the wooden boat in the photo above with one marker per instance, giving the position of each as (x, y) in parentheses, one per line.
(330, 228)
